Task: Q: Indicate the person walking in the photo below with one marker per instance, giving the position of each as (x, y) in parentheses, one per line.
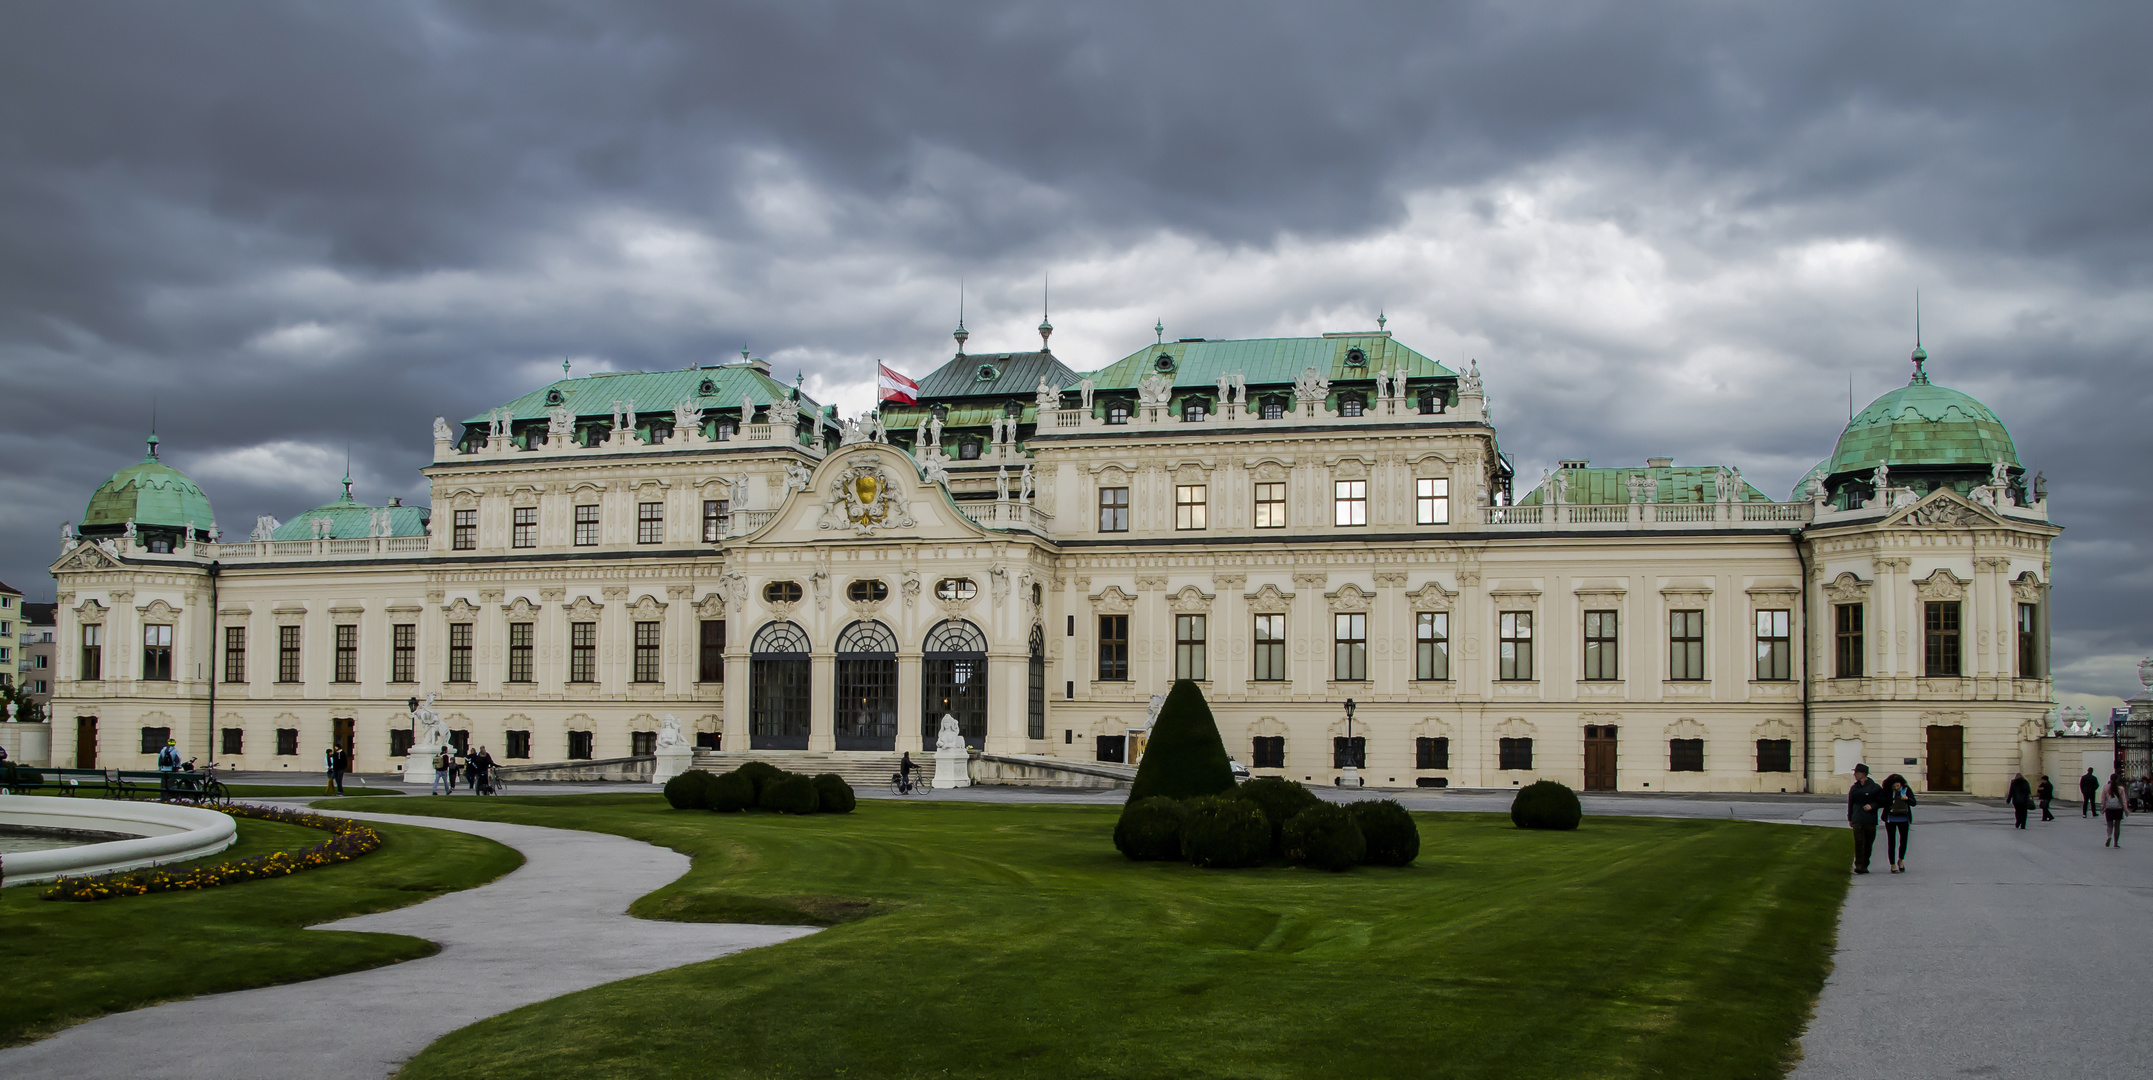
(2044, 794)
(2020, 798)
(905, 768)
(482, 772)
(167, 767)
(1863, 800)
(343, 767)
(1898, 820)
(328, 767)
(2114, 804)
(441, 773)
(2088, 787)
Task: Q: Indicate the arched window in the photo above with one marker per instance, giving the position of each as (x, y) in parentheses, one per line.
(953, 681)
(866, 706)
(779, 700)
(1194, 409)
(1035, 716)
(1274, 408)
(1431, 401)
(1117, 412)
(1350, 404)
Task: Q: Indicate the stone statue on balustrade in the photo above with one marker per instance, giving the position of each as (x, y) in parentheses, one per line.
(441, 430)
(1001, 483)
(784, 412)
(1310, 386)
(1155, 391)
(1469, 382)
(1049, 398)
(128, 531)
(932, 470)
(560, 426)
(796, 476)
(265, 528)
(687, 417)
(1084, 390)
(934, 430)
(1024, 487)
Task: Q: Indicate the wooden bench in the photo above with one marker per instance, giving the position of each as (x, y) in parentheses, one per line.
(57, 781)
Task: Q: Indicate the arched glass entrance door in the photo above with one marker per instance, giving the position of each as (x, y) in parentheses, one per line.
(779, 699)
(866, 706)
(1035, 702)
(953, 680)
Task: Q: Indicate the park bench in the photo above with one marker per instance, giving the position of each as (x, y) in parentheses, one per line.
(32, 780)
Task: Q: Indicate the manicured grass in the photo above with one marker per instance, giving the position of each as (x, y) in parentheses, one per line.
(264, 791)
(70, 962)
(1014, 941)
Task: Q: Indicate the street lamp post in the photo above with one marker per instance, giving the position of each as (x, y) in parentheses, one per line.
(1350, 776)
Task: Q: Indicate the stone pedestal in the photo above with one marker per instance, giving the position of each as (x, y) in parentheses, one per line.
(672, 761)
(953, 768)
(419, 766)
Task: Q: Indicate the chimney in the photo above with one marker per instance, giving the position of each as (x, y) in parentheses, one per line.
(1659, 462)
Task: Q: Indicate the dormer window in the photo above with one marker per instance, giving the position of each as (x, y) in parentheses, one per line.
(1193, 411)
(968, 450)
(1117, 412)
(1165, 362)
(1013, 409)
(1356, 358)
(707, 387)
(1274, 408)
(987, 373)
(726, 429)
(1350, 404)
(553, 397)
(1431, 401)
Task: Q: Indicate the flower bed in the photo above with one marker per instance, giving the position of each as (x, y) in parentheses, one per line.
(350, 840)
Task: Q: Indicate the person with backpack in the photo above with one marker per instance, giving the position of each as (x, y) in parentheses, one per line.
(1863, 800)
(1898, 820)
(2114, 804)
(2088, 786)
(442, 785)
(2020, 798)
(167, 766)
(2044, 794)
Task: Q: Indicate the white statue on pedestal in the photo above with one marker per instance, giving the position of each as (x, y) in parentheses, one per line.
(952, 761)
(673, 752)
(1001, 484)
(441, 430)
(1024, 488)
(669, 736)
(429, 736)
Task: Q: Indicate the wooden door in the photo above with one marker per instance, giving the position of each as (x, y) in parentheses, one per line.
(1947, 758)
(1599, 757)
(346, 737)
(85, 742)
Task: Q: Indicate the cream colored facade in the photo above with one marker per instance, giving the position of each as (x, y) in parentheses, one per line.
(866, 512)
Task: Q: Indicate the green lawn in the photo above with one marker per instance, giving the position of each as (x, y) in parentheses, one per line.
(70, 962)
(992, 940)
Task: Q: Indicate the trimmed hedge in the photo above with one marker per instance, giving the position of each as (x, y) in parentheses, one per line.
(835, 793)
(731, 792)
(791, 793)
(1324, 837)
(1223, 832)
(1150, 829)
(1545, 804)
(1392, 838)
(1279, 799)
(1185, 756)
(760, 774)
(690, 790)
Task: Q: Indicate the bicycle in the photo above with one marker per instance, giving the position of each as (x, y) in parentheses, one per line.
(901, 785)
(197, 786)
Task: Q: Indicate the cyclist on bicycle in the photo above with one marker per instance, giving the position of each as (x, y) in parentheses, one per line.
(905, 768)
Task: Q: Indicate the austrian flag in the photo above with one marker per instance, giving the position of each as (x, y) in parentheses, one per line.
(897, 388)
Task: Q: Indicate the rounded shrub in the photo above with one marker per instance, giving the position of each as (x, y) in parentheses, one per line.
(690, 790)
(1393, 839)
(731, 792)
(1545, 804)
(1221, 832)
(835, 794)
(760, 774)
(791, 793)
(1324, 837)
(1279, 799)
(1150, 829)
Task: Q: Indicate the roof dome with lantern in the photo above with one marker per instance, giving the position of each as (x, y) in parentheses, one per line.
(153, 495)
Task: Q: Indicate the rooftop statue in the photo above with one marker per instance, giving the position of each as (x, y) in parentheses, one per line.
(1310, 386)
(1049, 395)
(1469, 383)
(441, 430)
(784, 412)
(560, 425)
(1154, 391)
(1084, 389)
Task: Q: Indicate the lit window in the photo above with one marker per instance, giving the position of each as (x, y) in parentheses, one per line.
(1189, 505)
(586, 526)
(1775, 653)
(1350, 643)
(1271, 506)
(1431, 500)
(1431, 633)
(1114, 509)
(1516, 662)
(1352, 502)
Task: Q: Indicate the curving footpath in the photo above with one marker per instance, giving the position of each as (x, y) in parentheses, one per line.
(554, 926)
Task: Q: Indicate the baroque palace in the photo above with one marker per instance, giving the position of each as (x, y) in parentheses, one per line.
(1036, 551)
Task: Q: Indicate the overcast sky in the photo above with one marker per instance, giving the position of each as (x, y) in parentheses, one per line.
(1661, 228)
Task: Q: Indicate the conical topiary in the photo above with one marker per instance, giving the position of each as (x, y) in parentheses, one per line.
(1185, 756)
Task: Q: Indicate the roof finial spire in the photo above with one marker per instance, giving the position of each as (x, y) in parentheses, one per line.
(961, 334)
(1046, 329)
(347, 472)
(1158, 332)
(1382, 320)
(153, 427)
(1921, 355)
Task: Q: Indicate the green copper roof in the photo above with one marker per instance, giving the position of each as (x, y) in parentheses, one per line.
(1014, 375)
(1801, 487)
(1670, 484)
(652, 392)
(149, 493)
(1269, 361)
(1922, 424)
(350, 519)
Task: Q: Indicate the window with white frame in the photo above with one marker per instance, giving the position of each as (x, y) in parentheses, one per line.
(1352, 502)
(1431, 500)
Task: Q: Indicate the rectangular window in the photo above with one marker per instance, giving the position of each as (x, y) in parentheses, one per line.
(715, 519)
(400, 740)
(1516, 640)
(1431, 753)
(1189, 505)
(1431, 501)
(1349, 647)
(154, 738)
(287, 741)
(404, 652)
(650, 523)
(1775, 755)
(1514, 755)
(1270, 649)
(347, 653)
(642, 743)
(579, 746)
(583, 652)
(1685, 755)
(525, 534)
(1353, 751)
(1114, 509)
(1940, 631)
(1269, 752)
(519, 744)
(93, 653)
(1685, 645)
(287, 654)
(1601, 653)
(1271, 506)
(587, 526)
(1189, 647)
(646, 652)
(710, 665)
(521, 636)
(1431, 646)
(1113, 648)
(1351, 506)
(235, 654)
(1846, 641)
(234, 741)
(2029, 641)
(465, 536)
(1111, 748)
(157, 653)
(460, 652)
(1775, 652)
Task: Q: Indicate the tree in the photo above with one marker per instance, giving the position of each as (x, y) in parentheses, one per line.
(1185, 756)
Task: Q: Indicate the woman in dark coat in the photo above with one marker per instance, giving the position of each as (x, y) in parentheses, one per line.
(1898, 820)
(2020, 798)
(2044, 794)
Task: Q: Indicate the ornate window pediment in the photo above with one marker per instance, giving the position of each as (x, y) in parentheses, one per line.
(646, 608)
(1686, 728)
(1774, 596)
(1943, 509)
(1846, 727)
(711, 606)
(520, 608)
(1515, 598)
(1270, 471)
(1349, 597)
(584, 609)
(1112, 476)
(1268, 601)
(585, 485)
(1941, 584)
(1431, 597)
(1516, 727)
(1190, 601)
(1431, 727)
(2026, 588)
(1847, 589)
(1349, 468)
(1687, 596)
(90, 611)
(1773, 729)
(1112, 601)
(87, 556)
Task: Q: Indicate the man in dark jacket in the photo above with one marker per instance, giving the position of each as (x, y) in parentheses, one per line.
(2020, 798)
(1863, 800)
(2089, 786)
(2045, 794)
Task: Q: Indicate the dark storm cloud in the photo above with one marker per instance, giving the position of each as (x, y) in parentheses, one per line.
(313, 225)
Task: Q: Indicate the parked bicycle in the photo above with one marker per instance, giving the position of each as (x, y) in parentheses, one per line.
(199, 786)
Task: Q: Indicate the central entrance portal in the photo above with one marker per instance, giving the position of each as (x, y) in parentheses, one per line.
(1599, 757)
(953, 680)
(866, 706)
